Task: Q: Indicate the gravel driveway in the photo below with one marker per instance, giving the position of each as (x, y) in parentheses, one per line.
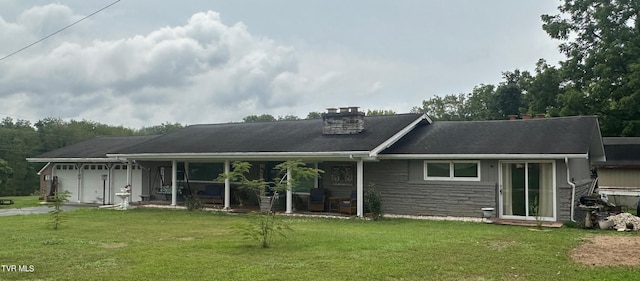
(32, 210)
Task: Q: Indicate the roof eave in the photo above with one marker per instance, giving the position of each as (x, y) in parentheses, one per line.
(341, 155)
(483, 156)
(72, 160)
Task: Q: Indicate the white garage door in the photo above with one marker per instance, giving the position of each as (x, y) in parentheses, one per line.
(67, 180)
(92, 183)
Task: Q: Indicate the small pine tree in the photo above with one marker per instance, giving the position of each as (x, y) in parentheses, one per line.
(58, 199)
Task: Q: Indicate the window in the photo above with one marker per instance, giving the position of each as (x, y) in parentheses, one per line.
(204, 171)
(452, 170)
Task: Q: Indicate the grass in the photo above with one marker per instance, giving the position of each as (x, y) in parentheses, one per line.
(152, 244)
(21, 201)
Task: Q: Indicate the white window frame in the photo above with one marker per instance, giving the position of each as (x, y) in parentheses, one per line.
(451, 177)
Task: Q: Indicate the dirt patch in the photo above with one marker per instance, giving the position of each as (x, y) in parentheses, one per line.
(186, 238)
(113, 245)
(498, 245)
(608, 250)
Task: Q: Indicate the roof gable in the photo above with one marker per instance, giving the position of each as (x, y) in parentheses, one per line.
(563, 135)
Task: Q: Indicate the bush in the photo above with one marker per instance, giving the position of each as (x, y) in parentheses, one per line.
(373, 202)
(193, 203)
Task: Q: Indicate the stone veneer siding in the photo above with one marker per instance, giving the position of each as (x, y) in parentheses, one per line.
(564, 195)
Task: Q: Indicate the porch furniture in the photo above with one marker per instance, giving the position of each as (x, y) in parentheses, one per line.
(165, 190)
(349, 205)
(212, 194)
(316, 199)
(334, 203)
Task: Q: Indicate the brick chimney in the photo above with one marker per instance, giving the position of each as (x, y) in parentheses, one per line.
(526, 116)
(344, 122)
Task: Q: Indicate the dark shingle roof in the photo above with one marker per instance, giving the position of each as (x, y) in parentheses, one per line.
(621, 151)
(564, 135)
(278, 136)
(95, 148)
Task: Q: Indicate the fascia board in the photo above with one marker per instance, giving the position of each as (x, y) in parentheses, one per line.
(396, 137)
(72, 160)
(43, 168)
(482, 156)
(243, 155)
(596, 148)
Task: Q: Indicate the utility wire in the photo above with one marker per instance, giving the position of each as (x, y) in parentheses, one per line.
(60, 30)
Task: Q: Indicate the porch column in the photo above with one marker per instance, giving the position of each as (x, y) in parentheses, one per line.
(315, 181)
(360, 187)
(227, 185)
(174, 182)
(111, 183)
(107, 198)
(289, 192)
(129, 173)
(79, 166)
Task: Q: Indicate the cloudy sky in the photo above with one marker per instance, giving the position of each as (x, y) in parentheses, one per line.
(144, 62)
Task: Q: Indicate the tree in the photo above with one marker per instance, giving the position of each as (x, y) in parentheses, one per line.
(263, 225)
(601, 40)
(509, 93)
(18, 140)
(288, 118)
(163, 128)
(447, 108)
(380, 112)
(544, 89)
(314, 115)
(261, 118)
(5, 174)
(482, 103)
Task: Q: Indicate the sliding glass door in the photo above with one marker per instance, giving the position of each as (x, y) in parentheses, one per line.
(527, 190)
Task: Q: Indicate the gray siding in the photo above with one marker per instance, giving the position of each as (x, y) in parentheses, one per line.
(405, 192)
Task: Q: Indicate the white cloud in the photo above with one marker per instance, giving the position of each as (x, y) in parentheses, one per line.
(183, 73)
(126, 66)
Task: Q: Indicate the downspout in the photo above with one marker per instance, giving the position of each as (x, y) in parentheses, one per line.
(573, 188)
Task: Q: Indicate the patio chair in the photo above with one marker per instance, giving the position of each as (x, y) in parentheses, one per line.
(316, 200)
(212, 194)
(349, 205)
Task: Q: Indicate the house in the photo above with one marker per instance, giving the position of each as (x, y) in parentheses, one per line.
(522, 168)
(619, 175)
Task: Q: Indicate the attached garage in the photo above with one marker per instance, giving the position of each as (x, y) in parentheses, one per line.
(90, 177)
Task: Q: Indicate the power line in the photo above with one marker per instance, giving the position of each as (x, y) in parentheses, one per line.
(59, 30)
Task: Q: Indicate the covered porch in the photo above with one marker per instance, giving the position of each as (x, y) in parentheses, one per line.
(168, 182)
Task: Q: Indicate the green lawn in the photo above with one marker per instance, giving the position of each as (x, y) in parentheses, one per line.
(153, 244)
(20, 202)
